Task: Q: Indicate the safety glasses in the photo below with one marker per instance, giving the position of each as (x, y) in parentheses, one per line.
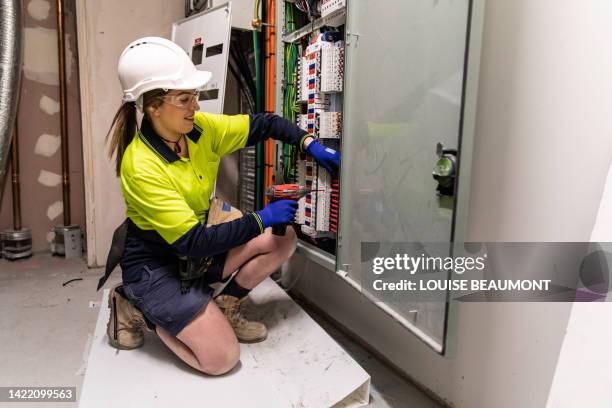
(183, 100)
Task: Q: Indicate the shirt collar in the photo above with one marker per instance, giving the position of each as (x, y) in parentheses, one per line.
(155, 142)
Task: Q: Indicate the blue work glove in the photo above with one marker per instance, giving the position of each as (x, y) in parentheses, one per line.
(325, 156)
(278, 212)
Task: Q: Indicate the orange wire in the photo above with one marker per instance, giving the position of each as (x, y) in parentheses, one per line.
(272, 72)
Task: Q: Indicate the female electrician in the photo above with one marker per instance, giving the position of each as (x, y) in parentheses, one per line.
(168, 168)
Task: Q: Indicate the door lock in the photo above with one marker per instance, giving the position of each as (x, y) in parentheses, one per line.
(445, 170)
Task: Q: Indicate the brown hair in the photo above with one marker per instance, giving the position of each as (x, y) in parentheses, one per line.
(124, 125)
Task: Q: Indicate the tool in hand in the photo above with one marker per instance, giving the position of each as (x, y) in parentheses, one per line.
(285, 192)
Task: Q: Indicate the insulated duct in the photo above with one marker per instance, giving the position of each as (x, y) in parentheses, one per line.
(10, 77)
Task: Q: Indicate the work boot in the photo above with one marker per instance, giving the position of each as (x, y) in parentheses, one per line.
(126, 323)
(246, 331)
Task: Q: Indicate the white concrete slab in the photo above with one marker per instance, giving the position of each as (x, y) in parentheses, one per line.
(299, 365)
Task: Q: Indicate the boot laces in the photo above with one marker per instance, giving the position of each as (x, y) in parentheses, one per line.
(235, 312)
(137, 324)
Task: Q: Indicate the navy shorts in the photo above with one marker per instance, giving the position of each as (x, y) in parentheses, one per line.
(157, 293)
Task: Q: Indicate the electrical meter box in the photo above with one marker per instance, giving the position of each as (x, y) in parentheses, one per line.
(206, 37)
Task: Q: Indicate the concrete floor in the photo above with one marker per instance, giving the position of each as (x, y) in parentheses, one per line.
(45, 330)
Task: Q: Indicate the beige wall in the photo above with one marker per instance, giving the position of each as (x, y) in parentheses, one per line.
(541, 154)
(105, 28)
(39, 127)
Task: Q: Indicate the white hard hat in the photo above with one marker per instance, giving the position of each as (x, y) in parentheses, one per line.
(156, 63)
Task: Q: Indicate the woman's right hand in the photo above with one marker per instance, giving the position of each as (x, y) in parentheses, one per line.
(278, 212)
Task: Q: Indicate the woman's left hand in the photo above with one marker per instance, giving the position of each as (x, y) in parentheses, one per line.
(325, 156)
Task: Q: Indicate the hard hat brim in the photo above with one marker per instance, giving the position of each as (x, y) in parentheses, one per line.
(196, 81)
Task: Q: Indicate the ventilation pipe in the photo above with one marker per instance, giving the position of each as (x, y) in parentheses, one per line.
(10, 77)
(16, 243)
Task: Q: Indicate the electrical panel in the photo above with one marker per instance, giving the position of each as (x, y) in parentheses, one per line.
(393, 124)
(329, 6)
(205, 38)
(312, 97)
(246, 165)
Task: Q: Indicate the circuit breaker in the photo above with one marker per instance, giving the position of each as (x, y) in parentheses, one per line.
(311, 95)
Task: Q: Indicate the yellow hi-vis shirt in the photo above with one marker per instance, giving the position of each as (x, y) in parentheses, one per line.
(171, 194)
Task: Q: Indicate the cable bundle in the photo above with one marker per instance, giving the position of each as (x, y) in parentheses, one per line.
(309, 7)
(290, 94)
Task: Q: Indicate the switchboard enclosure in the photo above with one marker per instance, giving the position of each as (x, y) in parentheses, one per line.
(384, 83)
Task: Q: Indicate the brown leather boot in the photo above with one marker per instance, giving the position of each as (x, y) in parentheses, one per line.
(126, 324)
(246, 331)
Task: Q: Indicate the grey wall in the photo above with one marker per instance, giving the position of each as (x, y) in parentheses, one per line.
(541, 154)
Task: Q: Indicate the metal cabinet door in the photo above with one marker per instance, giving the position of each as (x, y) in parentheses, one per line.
(206, 39)
(404, 84)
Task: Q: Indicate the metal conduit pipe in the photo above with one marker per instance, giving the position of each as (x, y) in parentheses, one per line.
(15, 178)
(61, 46)
(10, 77)
(68, 238)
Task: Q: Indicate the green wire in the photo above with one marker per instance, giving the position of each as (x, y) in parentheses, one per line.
(256, 52)
(257, 110)
(289, 109)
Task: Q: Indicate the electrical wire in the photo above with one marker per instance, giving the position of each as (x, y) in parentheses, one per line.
(244, 75)
(261, 146)
(269, 11)
(258, 192)
(289, 97)
(258, 106)
(303, 6)
(256, 10)
(243, 86)
(239, 55)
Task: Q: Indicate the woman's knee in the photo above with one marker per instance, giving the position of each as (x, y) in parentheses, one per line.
(212, 341)
(282, 244)
(290, 241)
(221, 361)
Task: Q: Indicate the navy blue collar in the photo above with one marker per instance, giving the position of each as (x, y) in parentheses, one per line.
(157, 144)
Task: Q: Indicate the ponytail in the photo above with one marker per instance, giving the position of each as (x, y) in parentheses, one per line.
(124, 125)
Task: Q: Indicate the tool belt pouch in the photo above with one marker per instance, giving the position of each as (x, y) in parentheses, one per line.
(191, 269)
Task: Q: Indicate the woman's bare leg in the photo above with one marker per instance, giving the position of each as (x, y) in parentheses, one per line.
(207, 344)
(260, 257)
(179, 348)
